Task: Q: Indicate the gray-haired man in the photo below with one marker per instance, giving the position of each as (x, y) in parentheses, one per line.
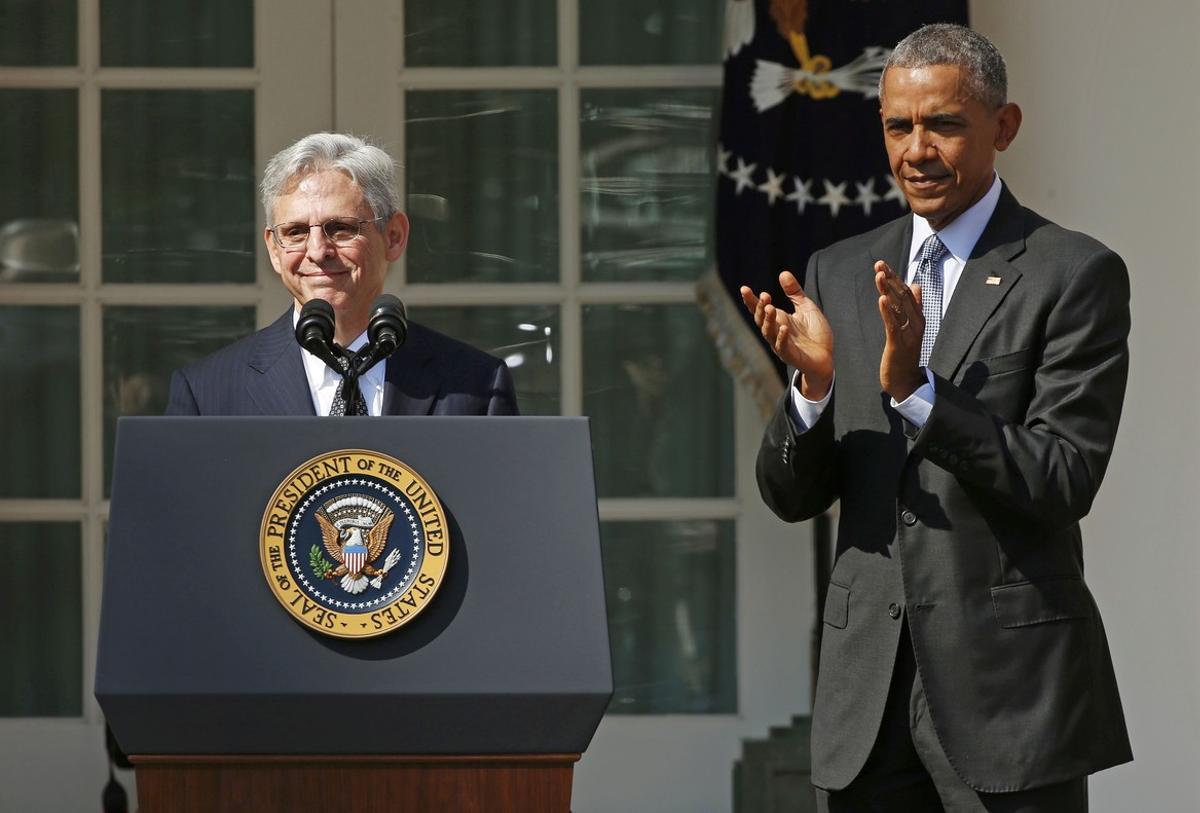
(980, 357)
(333, 228)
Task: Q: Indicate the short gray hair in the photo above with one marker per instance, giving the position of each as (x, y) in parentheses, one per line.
(949, 44)
(367, 165)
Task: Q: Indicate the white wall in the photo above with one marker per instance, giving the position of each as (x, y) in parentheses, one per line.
(684, 763)
(1109, 146)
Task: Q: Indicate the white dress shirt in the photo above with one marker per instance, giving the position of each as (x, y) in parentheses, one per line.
(959, 238)
(323, 381)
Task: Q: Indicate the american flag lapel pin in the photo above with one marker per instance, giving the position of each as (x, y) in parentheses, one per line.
(992, 280)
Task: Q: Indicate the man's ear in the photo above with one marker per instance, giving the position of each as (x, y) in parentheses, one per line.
(1008, 122)
(395, 234)
(269, 239)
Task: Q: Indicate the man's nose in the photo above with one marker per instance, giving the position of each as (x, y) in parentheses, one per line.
(318, 246)
(920, 147)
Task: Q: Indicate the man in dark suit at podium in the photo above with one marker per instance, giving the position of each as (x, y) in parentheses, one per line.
(959, 379)
(334, 226)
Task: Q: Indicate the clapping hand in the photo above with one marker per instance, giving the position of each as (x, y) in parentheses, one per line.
(903, 327)
(801, 339)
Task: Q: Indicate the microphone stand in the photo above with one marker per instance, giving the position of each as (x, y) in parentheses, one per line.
(386, 331)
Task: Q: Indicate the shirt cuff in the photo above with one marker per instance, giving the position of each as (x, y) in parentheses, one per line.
(806, 413)
(916, 408)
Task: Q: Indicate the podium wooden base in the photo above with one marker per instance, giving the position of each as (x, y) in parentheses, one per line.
(358, 784)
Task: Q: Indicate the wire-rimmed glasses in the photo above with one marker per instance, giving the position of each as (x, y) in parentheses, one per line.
(340, 231)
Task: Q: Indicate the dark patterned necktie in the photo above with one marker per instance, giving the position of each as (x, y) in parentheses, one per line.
(929, 277)
(358, 404)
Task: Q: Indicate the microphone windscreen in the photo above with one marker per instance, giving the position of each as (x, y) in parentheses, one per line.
(388, 317)
(317, 306)
(315, 323)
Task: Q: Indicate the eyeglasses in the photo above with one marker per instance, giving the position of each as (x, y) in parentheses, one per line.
(340, 231)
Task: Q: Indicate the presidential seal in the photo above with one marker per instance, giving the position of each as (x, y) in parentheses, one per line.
(354, 544)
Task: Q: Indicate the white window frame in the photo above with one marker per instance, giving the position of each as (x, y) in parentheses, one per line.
(34, 749)
(664, 762)
(684, 760)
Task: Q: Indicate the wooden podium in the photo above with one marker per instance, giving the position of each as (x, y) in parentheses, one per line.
(464, 784)
(483, 702)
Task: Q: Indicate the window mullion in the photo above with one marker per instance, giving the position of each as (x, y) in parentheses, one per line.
(399, 274)
(91, 360)
(571, 369)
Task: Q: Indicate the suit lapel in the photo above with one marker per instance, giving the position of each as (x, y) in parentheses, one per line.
(411, 381)
(975, 300)
(281, 385)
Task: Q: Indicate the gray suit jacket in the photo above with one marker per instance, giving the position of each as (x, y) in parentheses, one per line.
(969, 526)
(263, 374)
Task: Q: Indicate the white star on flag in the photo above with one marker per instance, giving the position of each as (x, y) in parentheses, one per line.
(773, 188)
(834, 197)
(894, 193)
(741, 176)
(866, 195)
(802, 195)
(723, 156)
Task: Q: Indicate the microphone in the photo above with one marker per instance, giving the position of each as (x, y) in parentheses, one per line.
(314, 331)
(389, 324)
(386, 331)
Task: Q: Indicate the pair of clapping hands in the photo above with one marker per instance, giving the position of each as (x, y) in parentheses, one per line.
(803, 338)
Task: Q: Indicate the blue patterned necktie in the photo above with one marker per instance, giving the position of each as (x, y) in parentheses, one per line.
(358, 404)
(929, 277)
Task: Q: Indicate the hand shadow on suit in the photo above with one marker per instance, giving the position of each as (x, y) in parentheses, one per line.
(922, 501)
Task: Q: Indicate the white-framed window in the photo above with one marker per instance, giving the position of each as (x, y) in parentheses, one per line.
(561, 194)
(129, 244)
(557, 160)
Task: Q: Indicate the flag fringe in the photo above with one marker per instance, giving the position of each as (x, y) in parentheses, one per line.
(742, 352)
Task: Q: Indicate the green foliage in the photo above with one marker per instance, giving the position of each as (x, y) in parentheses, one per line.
(320, 564)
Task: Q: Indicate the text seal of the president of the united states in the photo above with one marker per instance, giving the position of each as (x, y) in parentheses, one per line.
(354, 543)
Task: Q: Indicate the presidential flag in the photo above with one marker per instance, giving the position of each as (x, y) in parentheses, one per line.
(800, 159)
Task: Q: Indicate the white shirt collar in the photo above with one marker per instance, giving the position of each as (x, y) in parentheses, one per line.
(323, 381)
(960, 236)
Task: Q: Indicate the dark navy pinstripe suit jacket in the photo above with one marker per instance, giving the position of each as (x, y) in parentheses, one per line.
(263, 374)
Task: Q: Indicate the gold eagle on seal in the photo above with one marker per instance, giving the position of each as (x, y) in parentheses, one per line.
(354, 530)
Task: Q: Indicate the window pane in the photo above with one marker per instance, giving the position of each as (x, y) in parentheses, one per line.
(39, 231)
(142, 346)
(660, 403)
(526, 337)
(40, 401)
(42, 644)
(647, 187)
(670, 588)
(179, 194)
(482, 171)
(38, 32)
(650, 32)
(177, 33)
(467, 33)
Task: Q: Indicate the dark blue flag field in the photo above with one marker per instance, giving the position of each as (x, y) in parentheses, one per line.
(800, 159)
